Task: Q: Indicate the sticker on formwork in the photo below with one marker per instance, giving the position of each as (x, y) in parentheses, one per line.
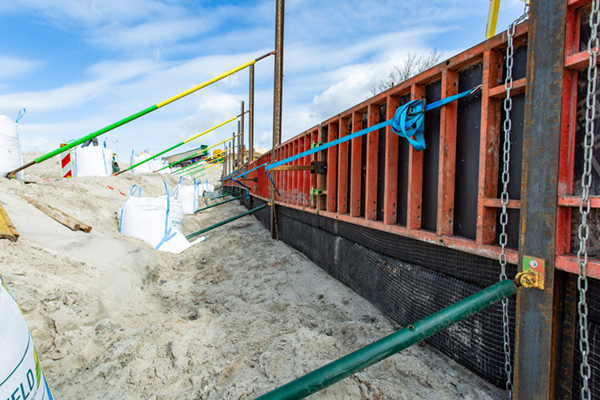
(21, 375)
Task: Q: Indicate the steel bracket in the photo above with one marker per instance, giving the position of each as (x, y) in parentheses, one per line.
(320, 167)
(534, 272)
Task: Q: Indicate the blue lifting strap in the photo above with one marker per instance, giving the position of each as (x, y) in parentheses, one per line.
(409, 122)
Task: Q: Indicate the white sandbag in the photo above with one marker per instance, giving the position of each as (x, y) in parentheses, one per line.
(188, 196)
(10, 147)
(205, 187)
(155, 165)
(150, 218)
(144, 168)
(93, 161)
(21, 375)
(176, 242)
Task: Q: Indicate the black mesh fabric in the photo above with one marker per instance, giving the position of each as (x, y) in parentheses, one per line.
(407, 293)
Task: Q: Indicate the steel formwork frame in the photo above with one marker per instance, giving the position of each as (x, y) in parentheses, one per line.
(349, 188)
(339, 202)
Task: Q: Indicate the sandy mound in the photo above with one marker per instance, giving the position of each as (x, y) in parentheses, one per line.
(230, 318)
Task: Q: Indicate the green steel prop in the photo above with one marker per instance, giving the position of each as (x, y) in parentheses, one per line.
(132, 117)
(218, 204)
(225, 222)
(180, 144)
(392, 344)
(197, 153)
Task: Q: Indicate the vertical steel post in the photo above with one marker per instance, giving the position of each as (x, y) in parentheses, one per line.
(277, 99)
(241, 123)
(537, 346)
(251, 116)
(233, 156)
(240, 149)
(242, 131)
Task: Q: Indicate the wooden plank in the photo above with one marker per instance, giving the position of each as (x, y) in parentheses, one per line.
(372, 159)
(415, 175)
(7, 228)
(294, 168)
(59, 215)
(447, 155)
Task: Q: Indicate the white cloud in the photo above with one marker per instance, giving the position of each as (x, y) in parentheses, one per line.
(14, 67)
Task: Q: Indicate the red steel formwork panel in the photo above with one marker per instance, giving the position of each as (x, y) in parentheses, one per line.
(342, 197)
(568, 202)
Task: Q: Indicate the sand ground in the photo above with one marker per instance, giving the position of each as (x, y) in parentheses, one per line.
(230, 318)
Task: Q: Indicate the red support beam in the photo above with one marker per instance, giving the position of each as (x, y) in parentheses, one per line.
(307, 179)
(332, 169)
(391, 165)
(356, 166)
(321, 201)
(488, 148)
(314, 135)
(372, 159)
(415, 174)
(447, 165)
(342, 193)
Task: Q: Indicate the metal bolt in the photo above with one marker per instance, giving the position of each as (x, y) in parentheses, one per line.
(533, 264)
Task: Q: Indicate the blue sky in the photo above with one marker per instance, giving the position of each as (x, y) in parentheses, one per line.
(79, 65)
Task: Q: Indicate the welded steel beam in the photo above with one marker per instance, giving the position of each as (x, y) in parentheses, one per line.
(537, 325)
(277, 104)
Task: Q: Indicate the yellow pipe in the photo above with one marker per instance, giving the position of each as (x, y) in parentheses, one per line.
(208, 82)
(490, 30)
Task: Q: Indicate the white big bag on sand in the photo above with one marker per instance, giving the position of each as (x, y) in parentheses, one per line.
(21, 375)
(144, 168)
(10, 147)
(205, 187)
(150, 218)
(93, 161)
(188, 196)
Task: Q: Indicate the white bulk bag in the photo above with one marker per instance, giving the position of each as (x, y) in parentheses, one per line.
(188, 196)
(155, 165)
(205, 187)
(21, 375)
(142, 169)
(93, 161)
(150, 218)
(176, 242)
(10, 147)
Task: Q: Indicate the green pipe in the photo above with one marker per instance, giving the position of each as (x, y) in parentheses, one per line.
(218, 204)
(137, 115)
(197, 153)
(219, 197)
(225, 222)
(199, 163)
(392, 344)
(194, 166)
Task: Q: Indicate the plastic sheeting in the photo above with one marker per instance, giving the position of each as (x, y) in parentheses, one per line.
(93, 161)
(10, 147)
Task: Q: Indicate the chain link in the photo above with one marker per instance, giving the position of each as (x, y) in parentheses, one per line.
(584, 205)
(503, 239)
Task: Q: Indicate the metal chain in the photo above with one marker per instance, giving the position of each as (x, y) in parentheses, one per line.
(508, 84)
(584, 205)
